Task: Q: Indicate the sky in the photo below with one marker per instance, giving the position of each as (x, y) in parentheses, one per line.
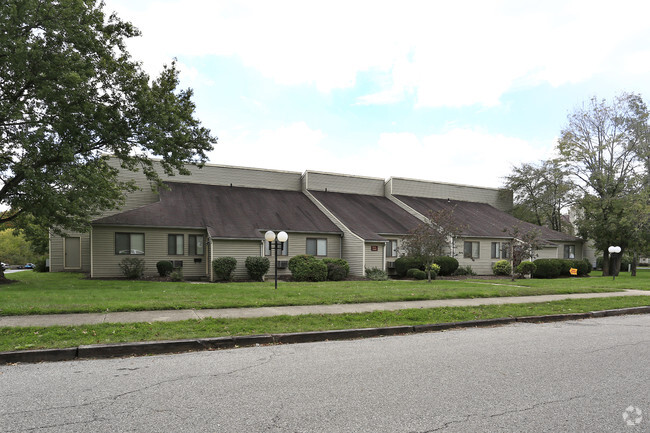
(453, 91)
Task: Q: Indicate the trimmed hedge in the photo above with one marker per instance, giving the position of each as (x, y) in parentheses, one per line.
(526, 268)
(334, 267)
(164, 267)
(257, 267)
(224, 267)
(404, 263)
(376, 274)
(448, 265)
(419, 275)
(553, 268)
(307, 268)
(502, 267)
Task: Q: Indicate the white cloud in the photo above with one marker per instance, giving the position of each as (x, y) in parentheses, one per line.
(447, 53)
(460, 155)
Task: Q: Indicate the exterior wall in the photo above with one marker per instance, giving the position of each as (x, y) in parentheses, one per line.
(106, 262)
(547, 253)
(239, 249)
(375, 259)
(298, 246)
(500, 199)
(483, 264)
(57, 253)
(318, 181)
(352, 246)
(590, 253)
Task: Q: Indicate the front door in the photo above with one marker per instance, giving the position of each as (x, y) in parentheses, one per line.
(72, 250)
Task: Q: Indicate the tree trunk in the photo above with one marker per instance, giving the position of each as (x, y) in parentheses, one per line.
(635, 260)
(606, 264)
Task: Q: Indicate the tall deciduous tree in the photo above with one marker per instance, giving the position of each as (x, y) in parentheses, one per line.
(70, 93)
(541, 192)
(600, 147)
(431, 238)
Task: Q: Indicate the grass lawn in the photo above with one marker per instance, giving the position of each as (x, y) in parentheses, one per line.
(71, 336)
(45, 293)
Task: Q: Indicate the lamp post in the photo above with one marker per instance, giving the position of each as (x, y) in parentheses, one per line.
(277, 242)
(613, 250)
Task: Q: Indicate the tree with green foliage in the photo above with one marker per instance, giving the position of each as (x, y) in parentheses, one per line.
(431, 238)
(601, 148)
(541, 192)
(70, 94)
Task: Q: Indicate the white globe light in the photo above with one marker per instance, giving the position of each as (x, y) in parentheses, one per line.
(269, 236)
(614, 250)
(283, 236)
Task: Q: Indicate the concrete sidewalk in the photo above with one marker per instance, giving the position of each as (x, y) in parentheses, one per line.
(176, 315)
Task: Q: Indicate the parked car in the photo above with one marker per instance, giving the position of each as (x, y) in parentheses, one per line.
(29, 266)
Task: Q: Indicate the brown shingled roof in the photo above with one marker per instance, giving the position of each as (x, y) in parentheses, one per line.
(481, 219)
(227, 212)
(368, 216)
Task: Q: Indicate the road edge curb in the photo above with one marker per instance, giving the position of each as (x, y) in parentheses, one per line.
(102, 351)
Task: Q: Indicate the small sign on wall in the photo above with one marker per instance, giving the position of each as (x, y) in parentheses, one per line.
(374, 247)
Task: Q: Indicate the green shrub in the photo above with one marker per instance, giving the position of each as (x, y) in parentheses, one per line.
(307, 268)
(339, 263)
(565, 266)
(464, 271)
(404, 263)
(41, 266)
(177, 275)
(583, 267)
(448, 265)
(164, 267)
(547, 268)
(132, 267)
(502, 267)
(589, 266)
(526, 268)
(257, 267)
(224, 267)
(336, 272)
(435, 269)
(419, 275)
(411, 272)
(376, 274)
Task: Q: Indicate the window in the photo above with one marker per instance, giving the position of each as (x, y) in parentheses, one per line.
(195, 243)
(471, 250)
(129, 243)
(175, 245)
(500, 250)
(317, 247)
(569, 251)
(282, 251)
(391, 249)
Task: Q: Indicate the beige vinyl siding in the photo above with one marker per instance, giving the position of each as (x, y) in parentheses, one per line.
(106, 262)
(354, 253)
(481, 265)
(239, 249)
(298, 246)
(375, 259)
(352, 246)
(57, 253)
(548, 253)
(421, 188)
(317, 181)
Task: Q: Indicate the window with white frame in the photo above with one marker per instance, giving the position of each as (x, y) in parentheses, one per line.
(195, 244)
(471, 250)
(391, 248)
(569, 251)
(175, 245)
(317, 247)
(282, 251)
(129, 243)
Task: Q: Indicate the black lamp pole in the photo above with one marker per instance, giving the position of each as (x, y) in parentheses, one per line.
(277, 242)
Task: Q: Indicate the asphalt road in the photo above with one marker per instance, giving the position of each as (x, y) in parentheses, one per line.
(577, 376)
